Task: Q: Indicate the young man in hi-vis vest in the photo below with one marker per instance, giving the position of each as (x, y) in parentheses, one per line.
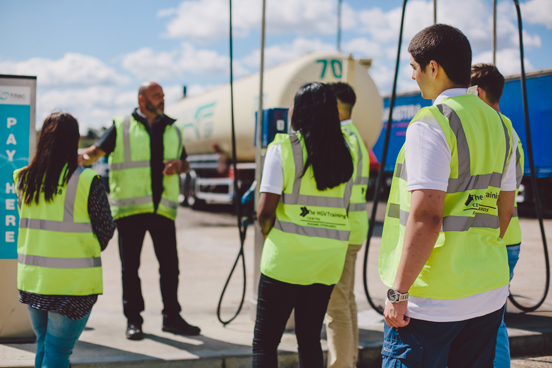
(452, 197)
(490, 84)
(146, 156)
(341, 317)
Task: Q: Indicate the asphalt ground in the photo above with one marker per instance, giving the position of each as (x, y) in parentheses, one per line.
(208, 243)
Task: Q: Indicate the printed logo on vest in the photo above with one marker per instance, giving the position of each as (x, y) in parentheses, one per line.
(304, 211)
(481, 202)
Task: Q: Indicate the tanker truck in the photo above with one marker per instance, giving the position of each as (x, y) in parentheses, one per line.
(205, 120)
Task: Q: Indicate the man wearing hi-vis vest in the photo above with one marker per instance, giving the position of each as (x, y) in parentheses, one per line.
(490, 84)
(452, 197)
(146, 156)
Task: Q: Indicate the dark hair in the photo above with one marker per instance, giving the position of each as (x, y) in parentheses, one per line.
(57, 146)
(315, 115)
(489, 79)
(344, 92)
(447, 46)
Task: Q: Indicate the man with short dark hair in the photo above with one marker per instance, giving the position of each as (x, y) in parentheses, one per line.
(490, 84)
(452, 196)
(341, 317)
(146, 156)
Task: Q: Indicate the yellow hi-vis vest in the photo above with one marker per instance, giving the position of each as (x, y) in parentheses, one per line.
(309, 240)
(468, 257)
(58, 254)
(513, 233)
(358, 215)
(130, 170)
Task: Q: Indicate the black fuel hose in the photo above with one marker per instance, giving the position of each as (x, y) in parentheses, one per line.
(534, 186)
(242, 225)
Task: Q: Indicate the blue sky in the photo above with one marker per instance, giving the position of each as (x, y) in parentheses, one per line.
(90, 56)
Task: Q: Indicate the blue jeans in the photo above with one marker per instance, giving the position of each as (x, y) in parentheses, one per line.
(56, 336)
(502, 355)
(424, 344)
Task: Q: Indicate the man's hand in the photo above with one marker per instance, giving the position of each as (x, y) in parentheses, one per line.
(88, 156)
(172, 167)
(394, 314)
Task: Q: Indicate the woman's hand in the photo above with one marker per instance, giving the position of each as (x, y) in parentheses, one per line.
(268, 202)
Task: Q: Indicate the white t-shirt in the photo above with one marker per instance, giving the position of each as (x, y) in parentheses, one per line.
(273, 170)
(427, 160)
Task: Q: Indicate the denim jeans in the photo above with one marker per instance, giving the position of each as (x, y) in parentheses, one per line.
(56, 336)
(502, 355)
(424, 344)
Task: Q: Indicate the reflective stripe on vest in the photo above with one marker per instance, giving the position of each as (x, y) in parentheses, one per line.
(358, 179)
(465, 180)
(53, 262)
(468, 256)
(128, 163)
(450, 223)
(56, 256)
(513, 233)
(306, 200)
(309, 240)
(129, 195)
(321, 232)
(463, 183)
(68, 225)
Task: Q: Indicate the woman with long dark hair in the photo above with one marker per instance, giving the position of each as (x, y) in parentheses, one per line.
(65, 224)
(305, 194)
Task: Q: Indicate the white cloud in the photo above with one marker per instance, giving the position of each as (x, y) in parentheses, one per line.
(384, 26)
(471, 16)
(507, 61)
(147, 64)
(93, 107)
(280, 53)
(173, 93)
(72, 70)
(207, 20)
(364, 47)
(537, 12)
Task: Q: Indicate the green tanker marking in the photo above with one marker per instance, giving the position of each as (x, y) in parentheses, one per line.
(333, 63)
(202, 118)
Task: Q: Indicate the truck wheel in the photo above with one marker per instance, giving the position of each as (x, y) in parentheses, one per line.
(191, 199)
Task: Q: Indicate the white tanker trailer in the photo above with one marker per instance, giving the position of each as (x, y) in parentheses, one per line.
(206, 120)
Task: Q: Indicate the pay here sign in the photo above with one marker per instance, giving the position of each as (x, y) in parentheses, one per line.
(17, 137)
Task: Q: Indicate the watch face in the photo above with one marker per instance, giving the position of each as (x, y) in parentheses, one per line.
(391, 295)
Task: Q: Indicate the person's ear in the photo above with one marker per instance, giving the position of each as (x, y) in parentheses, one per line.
(434, 67)
(479, 91)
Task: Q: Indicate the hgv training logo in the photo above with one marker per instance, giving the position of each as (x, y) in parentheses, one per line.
(304, 211)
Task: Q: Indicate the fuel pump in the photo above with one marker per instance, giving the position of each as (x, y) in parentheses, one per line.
(273, 121)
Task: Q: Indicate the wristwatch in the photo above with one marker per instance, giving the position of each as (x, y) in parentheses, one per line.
(395, 297)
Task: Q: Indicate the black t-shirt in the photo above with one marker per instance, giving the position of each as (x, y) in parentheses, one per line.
(107, 144)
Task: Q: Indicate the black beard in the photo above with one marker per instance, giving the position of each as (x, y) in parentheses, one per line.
(154, 109)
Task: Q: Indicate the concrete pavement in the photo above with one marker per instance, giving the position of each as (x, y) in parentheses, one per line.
(208, 244)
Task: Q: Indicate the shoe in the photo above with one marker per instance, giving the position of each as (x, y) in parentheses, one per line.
(134, 332)
(177, 325)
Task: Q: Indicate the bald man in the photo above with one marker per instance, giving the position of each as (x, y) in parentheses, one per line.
(146, 156)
